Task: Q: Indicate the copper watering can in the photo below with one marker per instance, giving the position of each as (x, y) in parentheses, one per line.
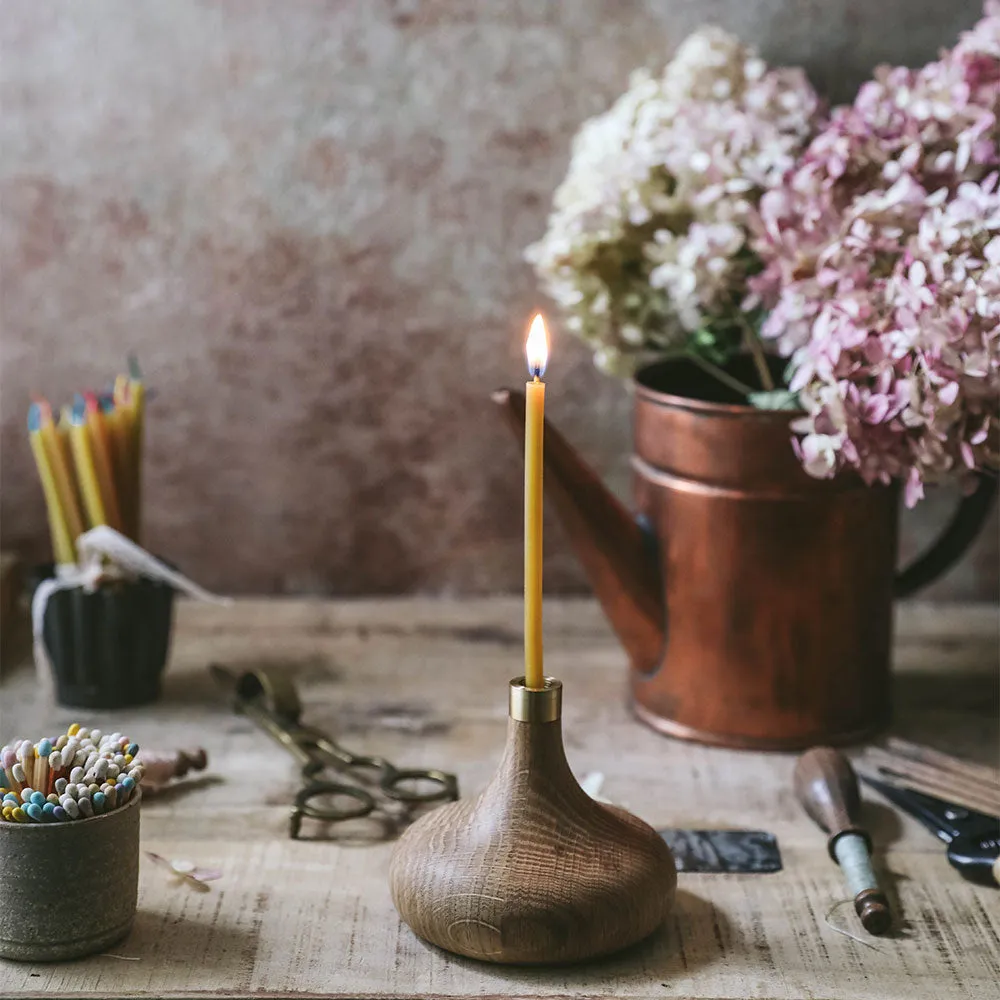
(754, 601)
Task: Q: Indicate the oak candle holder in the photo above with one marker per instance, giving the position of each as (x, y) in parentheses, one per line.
(533, 871)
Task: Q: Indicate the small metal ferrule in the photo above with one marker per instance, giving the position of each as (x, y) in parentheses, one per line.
(872, 907)
(535, 704)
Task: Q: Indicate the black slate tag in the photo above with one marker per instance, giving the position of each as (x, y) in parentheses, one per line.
(723, 850)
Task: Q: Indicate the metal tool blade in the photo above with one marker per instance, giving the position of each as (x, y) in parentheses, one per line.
(723, 851)
(973, 838)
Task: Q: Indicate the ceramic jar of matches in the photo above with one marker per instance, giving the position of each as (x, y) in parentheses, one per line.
(69, 844)
(108, 647)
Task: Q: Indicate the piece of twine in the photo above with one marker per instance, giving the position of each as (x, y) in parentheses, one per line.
(843, 930)
(124, 559)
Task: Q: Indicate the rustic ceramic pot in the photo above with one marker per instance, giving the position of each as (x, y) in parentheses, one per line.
(108, 648)
(68, 889)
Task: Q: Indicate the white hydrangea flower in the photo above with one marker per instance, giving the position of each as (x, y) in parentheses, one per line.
(647, 239)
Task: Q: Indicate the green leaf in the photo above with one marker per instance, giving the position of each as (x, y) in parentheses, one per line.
(779, 399)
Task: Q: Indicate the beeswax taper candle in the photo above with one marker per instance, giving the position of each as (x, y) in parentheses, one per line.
(537, 351)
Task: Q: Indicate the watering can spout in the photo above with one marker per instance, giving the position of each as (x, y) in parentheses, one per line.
(618, 554)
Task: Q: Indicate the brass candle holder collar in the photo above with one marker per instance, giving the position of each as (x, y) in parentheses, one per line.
(533, 870)
(526, 704)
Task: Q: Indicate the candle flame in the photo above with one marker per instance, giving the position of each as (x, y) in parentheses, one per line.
(537, 347)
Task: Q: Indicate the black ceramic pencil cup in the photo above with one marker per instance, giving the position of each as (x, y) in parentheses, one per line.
(108, 648)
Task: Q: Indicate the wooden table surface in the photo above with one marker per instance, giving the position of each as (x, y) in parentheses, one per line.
(424, 682)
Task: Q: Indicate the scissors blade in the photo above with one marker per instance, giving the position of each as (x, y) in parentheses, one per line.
(935, 814)
(944, 819)
(973, 838)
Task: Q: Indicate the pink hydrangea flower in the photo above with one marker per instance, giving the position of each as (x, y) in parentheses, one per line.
(882, 273)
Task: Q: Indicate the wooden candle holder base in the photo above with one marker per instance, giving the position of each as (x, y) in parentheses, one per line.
(533, 870)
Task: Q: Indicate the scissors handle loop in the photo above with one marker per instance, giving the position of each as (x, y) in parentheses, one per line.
(362, 804)
(445, 786)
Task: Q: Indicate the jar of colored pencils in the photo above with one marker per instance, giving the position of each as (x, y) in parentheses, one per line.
(108, 648)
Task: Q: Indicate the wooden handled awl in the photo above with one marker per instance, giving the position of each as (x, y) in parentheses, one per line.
(827, 787)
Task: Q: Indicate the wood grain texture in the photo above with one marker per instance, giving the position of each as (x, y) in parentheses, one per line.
(932, 773)
(424, 682)
(533, 870)
(827, 787)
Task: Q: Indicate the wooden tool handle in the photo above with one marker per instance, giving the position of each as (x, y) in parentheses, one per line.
(162, 767)
(190, 760)
(827, 787)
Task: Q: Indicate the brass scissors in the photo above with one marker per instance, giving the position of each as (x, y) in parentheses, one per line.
(269, 698)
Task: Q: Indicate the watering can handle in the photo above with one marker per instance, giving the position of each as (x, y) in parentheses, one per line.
(951, 544)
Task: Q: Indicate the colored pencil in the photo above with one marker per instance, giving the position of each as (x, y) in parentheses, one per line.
(86, 472)
(100, 442)
(125, 453)
(62, 472)
(89, 461)
(137, 407)
(62, 544)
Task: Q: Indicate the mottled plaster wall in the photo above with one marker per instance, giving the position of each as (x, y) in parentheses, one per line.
(306, 218)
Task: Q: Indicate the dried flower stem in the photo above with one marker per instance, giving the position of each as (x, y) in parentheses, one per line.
(752, 343)
(718, 373)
